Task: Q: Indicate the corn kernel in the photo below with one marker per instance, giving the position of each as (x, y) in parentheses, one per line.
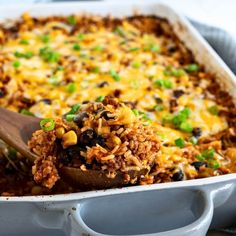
(60, 132)
(116, 140)
(69, 139)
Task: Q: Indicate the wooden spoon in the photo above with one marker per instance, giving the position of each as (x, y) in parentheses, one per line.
(16, 129)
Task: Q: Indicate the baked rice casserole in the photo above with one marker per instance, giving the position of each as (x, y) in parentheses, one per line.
(83, 73)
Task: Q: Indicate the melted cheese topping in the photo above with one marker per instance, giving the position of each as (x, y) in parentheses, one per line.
(70, 68)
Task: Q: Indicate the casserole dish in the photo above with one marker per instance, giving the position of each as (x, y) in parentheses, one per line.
(184, 208)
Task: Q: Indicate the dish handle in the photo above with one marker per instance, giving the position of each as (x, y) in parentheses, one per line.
(164, 212)
(180, 213)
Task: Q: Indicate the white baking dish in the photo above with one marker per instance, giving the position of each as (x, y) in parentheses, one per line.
(180, 208)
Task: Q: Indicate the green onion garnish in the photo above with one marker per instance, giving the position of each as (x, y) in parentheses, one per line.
(158, 107)
(95, 70)
(48, 55)
(71, 87)
(136, 112)
(115, 75)
(192, 68)
(119, 31)
(200, 157)
(54, 80)
(26, 55)
(178, 72)
(100, 99)
(81, 36)
(59, 68)
(76, 47)
(24, 42)
(98, 48)
(26, 112)
(179, 142)
(193, 140)
(209, 153)
(16, 64)
(71, 20)
(70, 117)
(213, 110)
(152, 47)
(186, 127)
(133, 49)
(45, 38)
(74, 109)
(163, 83)
(213, 164)
(47, 124)
(136, 64)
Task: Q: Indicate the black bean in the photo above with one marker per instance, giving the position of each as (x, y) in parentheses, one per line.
(158, 100)
(87, 138)
(173, 103)
(178, 175)
(63, 157)
(74, 152)
(197, 132)
(85, 102)
(178, 93)
(103, 84)
(171, 48)
(80, 118)
(99, 140)
(198, 164)
(3, 92)
(9, 169)
(117, 93)
(107, 115)
(46, 101)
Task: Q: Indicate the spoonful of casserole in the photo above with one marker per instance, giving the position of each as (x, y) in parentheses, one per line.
(95, 145)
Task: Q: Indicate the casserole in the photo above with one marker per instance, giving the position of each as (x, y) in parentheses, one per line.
(77, 211)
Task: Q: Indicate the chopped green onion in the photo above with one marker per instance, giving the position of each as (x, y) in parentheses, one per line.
(48, 55)
(152, 47)
(54, 80)
(74, 109)
(119, 31)
(98, 48)
(12, 153)
(115, 75)
(71, 20)
(193, 140)
(59, 68)
(26, 112)
(136, 112)
(95, 70)
(26, 55)
(136, 64)
(16, 64)
(161, 83)
(47, 124)
(213, 164)
(179, 142)
(24, 42)
(81, 36)
(71, 87)
(192, 68)
(100, 99)
(213, 110)
(84, 56)
(45, 38)
(167, 118)
(70, 117)
(158, 107)
(76, 47)
(200, 157)
(178, 72)
(186, 127)
(209, 153)
(135, 49)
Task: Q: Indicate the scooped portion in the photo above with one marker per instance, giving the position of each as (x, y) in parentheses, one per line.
(107, 136)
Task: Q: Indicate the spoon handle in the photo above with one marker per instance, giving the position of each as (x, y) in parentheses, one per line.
(16, 129)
